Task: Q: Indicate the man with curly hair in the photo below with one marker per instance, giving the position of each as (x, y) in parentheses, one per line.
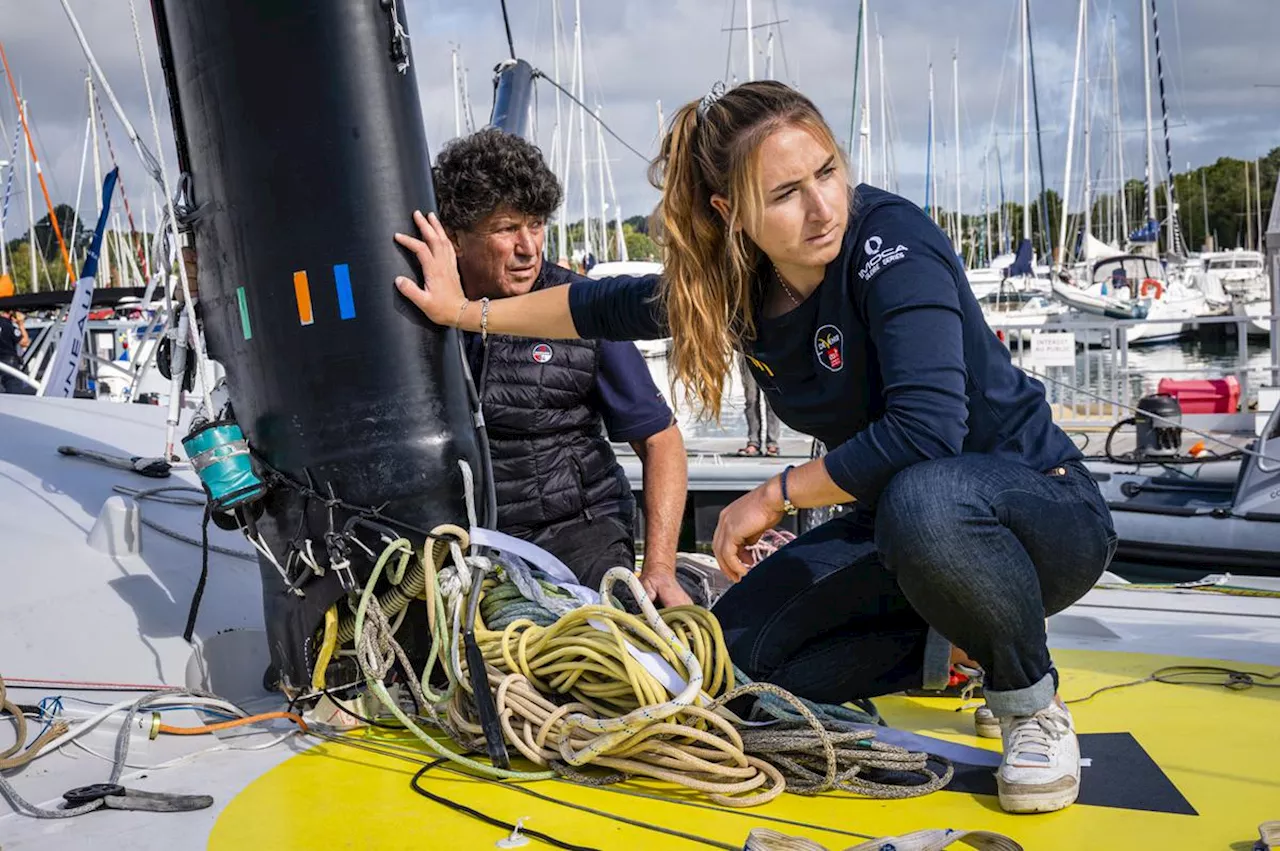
(548, 404)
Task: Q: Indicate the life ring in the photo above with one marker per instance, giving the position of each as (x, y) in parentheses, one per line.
(1149, 284)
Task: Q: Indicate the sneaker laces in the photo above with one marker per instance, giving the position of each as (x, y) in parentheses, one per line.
(1033, 737)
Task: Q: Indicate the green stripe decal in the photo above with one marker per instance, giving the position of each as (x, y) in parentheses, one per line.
(244, 314)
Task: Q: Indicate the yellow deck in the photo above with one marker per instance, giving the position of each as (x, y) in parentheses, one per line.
(1220, 748)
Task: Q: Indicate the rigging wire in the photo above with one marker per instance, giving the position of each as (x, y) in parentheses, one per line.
(587, 111)
(1164, 420)
(506, 21)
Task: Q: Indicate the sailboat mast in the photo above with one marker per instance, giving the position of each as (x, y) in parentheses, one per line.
(1257, 173)
(958, 236)
(31, 210)
(1170, 191)
(104, 269)
(986, 208)
(1026, 126)
(562, 249)
(1248, 211)
(1204, 198)
(884, 122)
(864, 130)
(931, 195)
(582, 125)
(1060, 251)
(1088, 126)
(604, 206)
(567, 159)
(1123, 218)
(613, 199)
(751, 48)
(457, 100)
(1146, 91)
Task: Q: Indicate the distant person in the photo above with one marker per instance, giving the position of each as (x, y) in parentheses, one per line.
(13, 340)
(549, 404)
(753, 394)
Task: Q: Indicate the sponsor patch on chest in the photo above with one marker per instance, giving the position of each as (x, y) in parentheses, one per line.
(541, 353)
(828, 345)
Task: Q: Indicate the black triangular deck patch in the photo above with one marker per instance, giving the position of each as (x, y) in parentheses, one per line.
(1122, 775)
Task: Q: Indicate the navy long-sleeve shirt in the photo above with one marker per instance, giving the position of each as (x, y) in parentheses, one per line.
(889, 362)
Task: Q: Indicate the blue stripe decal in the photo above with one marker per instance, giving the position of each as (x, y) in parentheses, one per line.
(346, 304)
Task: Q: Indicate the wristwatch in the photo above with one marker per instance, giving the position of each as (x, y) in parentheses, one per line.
(788, 507)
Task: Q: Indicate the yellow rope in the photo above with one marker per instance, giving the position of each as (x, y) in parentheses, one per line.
(19, 753)
(573, 694)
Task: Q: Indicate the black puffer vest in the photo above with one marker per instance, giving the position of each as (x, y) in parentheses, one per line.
(551, 459)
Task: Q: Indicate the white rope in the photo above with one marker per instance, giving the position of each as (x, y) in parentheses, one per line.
(148, 159)
(469, 492)
(261, 547)
(398, 32)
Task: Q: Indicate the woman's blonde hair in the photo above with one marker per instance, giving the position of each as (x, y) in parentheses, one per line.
(709, 262)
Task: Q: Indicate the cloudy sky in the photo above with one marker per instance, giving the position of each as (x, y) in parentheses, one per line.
(1222, 74)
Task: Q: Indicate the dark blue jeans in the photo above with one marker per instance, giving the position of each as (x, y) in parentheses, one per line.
(972, 551)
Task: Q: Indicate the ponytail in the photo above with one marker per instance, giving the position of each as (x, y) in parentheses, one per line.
(710, 264)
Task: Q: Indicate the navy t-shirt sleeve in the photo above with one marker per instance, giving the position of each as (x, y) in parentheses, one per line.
(622, 307)
(907, 290)
(626, 396)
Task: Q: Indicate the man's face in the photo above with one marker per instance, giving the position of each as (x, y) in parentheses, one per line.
(502, 255)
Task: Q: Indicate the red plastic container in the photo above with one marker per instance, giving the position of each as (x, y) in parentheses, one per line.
(1204, 395)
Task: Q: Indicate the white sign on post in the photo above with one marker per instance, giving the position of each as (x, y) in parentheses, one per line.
(1052, 348)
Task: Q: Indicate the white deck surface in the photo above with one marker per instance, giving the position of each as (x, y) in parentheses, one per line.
(68, 612)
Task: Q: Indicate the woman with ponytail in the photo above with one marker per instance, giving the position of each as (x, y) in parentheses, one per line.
(972, 517)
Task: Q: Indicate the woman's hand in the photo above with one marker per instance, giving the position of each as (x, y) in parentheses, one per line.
(741, 524)
(440, 298)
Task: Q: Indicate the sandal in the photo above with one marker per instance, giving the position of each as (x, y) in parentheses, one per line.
(751, 450)
(771, 450)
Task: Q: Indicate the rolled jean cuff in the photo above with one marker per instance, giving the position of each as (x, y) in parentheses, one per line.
(937, 662)
(1022, 701)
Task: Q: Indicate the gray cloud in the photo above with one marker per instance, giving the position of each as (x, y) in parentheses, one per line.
(641, 51)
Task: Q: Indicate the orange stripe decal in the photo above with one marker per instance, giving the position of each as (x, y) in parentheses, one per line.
(302, 291)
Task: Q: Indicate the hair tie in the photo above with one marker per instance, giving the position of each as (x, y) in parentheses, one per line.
(710, 98)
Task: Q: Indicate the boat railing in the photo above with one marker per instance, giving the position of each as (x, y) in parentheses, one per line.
(1094, 377)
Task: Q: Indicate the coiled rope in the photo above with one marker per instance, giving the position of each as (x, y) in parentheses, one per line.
(585, 689)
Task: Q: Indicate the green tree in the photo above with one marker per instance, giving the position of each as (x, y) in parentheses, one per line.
(20, 267)
(639, 224)
(639, 245)
(76, 240)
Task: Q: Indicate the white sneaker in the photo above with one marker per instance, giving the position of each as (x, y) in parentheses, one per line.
(986, 724)
(1040, 771)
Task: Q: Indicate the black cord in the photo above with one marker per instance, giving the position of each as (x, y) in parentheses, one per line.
(1106, 447)
(1176, 675)
(487, 819)
(194, 611)
(490, 516)
(506, 20)
(400, 754)
(587, 111)
(369, 721)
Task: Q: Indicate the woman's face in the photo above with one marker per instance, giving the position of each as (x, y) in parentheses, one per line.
(806, 199)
